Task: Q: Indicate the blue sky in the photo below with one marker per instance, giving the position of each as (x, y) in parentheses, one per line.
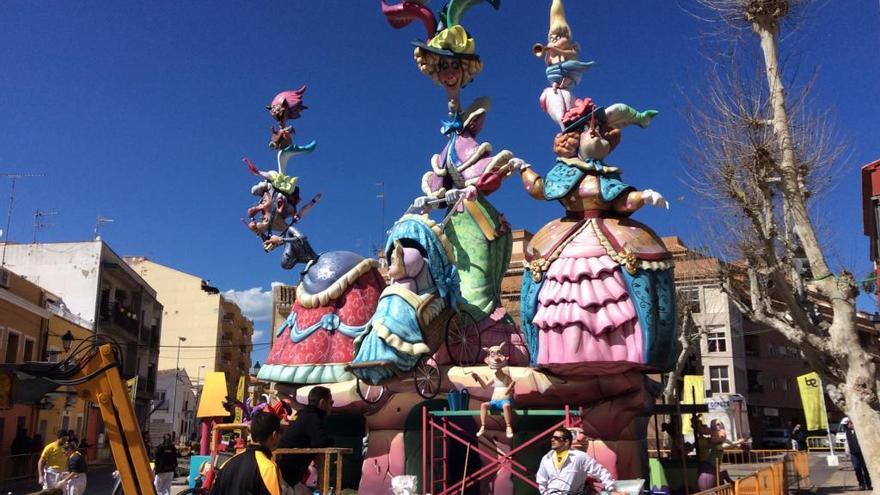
(142, 111)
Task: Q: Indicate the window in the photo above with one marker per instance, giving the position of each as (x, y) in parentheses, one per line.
(784, 383)
(718, 379)
(754, 381)
(12, 340)
(28, 350)
(717, 341)
(53, 354)
(163, 404)
(691, 297)
(65, 422)
(753, 346)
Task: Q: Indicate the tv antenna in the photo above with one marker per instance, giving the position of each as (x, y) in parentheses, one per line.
(100, 222)
(14, 176)
(38, 221)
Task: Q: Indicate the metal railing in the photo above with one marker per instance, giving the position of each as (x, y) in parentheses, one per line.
(19, 466)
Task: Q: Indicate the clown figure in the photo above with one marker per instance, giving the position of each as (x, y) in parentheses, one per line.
(502, 393)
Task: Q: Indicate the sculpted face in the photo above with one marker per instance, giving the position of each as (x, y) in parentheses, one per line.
(450, 73)
(495, 356)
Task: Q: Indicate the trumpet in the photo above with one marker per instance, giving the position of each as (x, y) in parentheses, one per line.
(538, 49)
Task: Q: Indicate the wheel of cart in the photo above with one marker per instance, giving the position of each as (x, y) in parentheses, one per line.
(371, 394)
(463, 339)
(426, 376)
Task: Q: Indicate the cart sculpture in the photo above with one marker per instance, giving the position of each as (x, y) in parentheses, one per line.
(416, 314)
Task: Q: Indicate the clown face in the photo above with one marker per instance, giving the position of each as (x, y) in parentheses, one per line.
(450, 73)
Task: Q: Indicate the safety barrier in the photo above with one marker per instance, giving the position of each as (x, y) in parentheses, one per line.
(821, 443)
(748, 456)
(790, 471)
(718, 490)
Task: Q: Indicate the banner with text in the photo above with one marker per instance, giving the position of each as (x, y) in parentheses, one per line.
(813, 398)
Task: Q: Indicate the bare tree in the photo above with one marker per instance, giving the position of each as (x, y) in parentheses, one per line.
(689, 337)
(759, 158)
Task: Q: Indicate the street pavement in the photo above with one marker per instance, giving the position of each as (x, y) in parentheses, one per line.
(100, 482)
(835, 480)
(826, 480)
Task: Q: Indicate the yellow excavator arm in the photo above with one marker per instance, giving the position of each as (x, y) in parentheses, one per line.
(93, 371)
(105, 388)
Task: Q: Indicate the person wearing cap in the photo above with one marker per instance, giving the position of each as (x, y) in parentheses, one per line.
(566, 470)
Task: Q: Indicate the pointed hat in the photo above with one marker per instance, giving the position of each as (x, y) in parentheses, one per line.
(557, 18)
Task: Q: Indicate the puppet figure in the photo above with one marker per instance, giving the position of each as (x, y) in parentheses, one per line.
(466, 171)
(560, 54)
(276, 212)
(502, 393)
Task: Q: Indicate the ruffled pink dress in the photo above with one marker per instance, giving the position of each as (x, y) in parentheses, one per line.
(584, 313)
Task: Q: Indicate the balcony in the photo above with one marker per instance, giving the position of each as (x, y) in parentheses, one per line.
(117, 314)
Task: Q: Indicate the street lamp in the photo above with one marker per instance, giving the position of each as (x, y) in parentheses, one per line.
(176, 380)
(257, 367)
(67, 341)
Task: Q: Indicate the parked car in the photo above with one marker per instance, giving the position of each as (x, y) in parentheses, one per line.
(776, 438)
(840, 433)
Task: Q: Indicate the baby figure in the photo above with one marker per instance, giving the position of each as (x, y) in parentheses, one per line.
(502, 393)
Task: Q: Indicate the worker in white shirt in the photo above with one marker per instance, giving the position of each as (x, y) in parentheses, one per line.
(564, 470)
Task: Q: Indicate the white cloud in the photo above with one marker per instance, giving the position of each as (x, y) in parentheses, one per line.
(255, 303)
(258, 335)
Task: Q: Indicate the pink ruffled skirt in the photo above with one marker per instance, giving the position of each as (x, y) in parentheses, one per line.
(584, 312)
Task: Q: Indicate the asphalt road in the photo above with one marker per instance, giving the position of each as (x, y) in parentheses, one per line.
(100, 482)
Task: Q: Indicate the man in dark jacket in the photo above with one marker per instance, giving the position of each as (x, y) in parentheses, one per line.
(306, 432)
(253, 472)
(858, 459)
(166, 465)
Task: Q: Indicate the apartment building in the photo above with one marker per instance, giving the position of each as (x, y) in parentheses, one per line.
(98, 287)
(201, 330)
(24, 322)
(175, 407)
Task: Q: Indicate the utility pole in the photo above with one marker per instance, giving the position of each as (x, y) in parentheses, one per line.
(38, 223)
(14, 177)
(176, 385)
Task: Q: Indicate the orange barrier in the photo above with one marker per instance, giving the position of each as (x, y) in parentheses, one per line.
(790, 472)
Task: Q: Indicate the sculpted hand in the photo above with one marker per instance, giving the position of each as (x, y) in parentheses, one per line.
(453, 195)
(519, 164)
(272, 243)
(653, 198)
(420, 202)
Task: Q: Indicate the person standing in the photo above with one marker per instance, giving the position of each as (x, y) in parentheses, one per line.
(564, 470)
(73, 481)
(21, 446)
(858, 459)
(52, 462)
(253, 472)
(798, 437)
(166, 465)
(305, 432)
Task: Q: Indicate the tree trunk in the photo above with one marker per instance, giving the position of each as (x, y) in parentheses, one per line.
(860, 372)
